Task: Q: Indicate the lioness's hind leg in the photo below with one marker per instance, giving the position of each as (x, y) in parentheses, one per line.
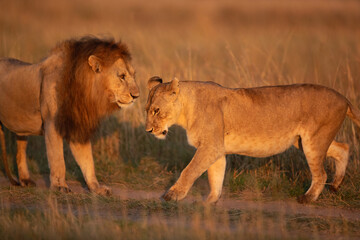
(216, 174)
(315, 154)
(340, 152)
(24, 176)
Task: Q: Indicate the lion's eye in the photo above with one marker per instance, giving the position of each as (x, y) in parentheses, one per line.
(122, 76)
(156, 111)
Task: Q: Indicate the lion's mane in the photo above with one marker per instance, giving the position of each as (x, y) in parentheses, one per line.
(79, 109)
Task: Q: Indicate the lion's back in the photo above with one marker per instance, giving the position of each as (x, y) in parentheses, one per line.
(20, 84)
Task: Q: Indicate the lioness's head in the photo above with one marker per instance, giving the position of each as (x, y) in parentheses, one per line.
(116, 80)
(163, 106)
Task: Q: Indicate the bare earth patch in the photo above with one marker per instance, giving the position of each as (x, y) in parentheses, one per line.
(290, 207)
(143, 211)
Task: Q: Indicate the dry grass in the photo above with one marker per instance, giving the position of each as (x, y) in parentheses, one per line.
(43, 215)
(234, 43)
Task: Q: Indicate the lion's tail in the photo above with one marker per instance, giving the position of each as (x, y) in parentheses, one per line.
(4, 157)
(354, 114)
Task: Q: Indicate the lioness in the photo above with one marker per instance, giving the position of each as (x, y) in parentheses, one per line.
(65, 96)
(257, 122)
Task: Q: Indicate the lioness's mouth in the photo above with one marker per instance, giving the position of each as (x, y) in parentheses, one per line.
(160, 135)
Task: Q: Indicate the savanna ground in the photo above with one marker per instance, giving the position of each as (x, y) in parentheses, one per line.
(234, 43)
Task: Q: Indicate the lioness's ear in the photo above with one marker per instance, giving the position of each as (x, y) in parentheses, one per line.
(95, 63)
(175, 86)
(153, 82)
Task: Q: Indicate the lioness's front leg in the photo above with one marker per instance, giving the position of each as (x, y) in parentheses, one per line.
(203, 159)
(55, 154)
(216, 174)
(83, 156)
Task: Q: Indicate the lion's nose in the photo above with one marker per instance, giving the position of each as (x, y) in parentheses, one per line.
(149, 130)
(134, 96)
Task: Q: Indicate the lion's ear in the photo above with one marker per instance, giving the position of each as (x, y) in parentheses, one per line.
(175, 86)
(153, 82)
(95, 63)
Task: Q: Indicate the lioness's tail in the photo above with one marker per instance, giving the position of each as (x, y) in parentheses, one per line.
(354, 114)
(4, 157)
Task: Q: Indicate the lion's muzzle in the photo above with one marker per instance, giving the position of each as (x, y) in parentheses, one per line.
(135, 95)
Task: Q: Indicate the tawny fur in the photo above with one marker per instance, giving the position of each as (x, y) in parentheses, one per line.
(65, 96)
(257, 122)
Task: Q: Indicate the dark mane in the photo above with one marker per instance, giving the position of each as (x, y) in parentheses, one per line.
(79, 114)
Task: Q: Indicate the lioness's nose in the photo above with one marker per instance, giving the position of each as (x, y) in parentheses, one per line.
(149, 130)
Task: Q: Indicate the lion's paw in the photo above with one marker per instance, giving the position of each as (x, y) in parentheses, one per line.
(62, 189)
(103, 191)
(27, 183)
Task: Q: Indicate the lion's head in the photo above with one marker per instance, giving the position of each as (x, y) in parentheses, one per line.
(97, 78)
(163, 106)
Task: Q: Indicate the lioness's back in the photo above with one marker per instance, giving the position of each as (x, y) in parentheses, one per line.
(288, 101)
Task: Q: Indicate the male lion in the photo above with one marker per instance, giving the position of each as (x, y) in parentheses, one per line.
(65, 96)
(257, 122)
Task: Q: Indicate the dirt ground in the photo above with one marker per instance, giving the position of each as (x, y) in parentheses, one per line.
(290, 207)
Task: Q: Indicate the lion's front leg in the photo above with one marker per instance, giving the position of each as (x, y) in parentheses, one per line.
(83, 156)
(203, 159)
(55, 154)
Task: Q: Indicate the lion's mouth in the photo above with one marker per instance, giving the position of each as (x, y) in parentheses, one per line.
(122, 105)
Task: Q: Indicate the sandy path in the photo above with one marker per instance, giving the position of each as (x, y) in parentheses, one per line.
(279, 207)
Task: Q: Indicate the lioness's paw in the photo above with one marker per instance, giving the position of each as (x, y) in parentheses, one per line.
(212, 198)
(103, 191)
(27, 183)
(333, 189)
(304, 199)
(173, 195)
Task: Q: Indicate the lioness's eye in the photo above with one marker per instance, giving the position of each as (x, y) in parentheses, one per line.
(156, 111)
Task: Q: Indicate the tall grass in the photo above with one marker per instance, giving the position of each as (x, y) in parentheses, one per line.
(234, 43)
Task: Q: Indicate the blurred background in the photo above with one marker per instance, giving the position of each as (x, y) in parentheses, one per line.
(243, 43)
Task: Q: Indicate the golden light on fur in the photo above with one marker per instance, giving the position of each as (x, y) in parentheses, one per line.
(65, 96)
(257, 122)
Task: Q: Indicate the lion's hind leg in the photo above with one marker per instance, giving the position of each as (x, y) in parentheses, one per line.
(4, 157)
(24, 176)
(340, 152)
